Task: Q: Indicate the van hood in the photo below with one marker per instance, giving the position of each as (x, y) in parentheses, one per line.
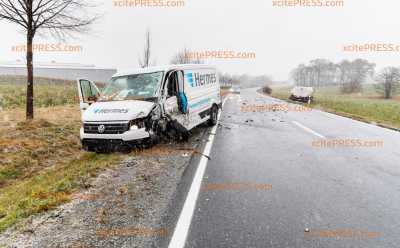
(117, 111)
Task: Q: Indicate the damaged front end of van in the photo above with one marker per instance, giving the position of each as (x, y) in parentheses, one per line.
(118, 126)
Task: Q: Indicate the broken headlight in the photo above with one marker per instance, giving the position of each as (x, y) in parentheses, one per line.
(136, 124)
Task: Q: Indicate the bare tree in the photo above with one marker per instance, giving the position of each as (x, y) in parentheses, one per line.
(184, 57)
(61, 18)
(145, 60)
(354, 73)
(299, 75)
(388, 82)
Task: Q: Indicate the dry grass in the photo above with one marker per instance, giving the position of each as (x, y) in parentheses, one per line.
(41, 161)
(28, 147)
(46, 95)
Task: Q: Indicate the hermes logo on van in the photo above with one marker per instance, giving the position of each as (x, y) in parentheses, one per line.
(111, 111)
(197, 79)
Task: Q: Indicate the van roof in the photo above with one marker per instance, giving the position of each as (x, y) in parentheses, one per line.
(162, 68)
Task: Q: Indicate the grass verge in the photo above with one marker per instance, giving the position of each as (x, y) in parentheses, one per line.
(41, 162)
(49, 188)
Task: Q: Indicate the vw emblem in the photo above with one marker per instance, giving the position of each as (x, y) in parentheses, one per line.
(101, 128)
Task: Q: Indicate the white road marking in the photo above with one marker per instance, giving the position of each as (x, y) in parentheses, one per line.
(308, 129)
(297, 123)
(330, 115)
(178, 239)
(260, 94)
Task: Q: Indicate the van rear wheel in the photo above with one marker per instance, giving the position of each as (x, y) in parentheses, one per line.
(213, 116)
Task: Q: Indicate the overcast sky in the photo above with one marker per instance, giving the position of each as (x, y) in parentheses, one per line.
(281, 37)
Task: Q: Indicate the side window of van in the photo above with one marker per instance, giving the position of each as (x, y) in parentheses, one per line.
(90, 93)
(87, 91)
(172, 85)
(175, 83)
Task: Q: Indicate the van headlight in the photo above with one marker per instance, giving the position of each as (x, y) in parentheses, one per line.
(136, 124)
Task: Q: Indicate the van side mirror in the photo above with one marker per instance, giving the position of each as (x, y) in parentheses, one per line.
(92, 99)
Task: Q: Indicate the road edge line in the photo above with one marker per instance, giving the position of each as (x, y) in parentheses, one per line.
(178, 239)
(308, 130)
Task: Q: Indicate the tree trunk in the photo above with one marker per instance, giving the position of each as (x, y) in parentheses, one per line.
(29, 65)
(388, 90)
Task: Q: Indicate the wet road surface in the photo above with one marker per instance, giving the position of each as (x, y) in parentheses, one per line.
(269, 185)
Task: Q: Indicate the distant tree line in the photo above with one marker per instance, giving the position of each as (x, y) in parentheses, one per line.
(348, 75)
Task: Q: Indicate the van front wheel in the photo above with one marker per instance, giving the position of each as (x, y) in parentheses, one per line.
(213, 116)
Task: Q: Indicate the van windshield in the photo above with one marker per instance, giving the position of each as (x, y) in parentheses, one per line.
(132, 87)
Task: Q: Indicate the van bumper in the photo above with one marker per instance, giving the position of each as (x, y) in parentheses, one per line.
(93, 142)
(301, 99)
(127, 136)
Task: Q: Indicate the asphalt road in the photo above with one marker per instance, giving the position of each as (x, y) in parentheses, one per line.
(319, 190)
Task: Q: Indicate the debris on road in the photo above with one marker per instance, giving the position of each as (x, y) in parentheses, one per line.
(223, 126)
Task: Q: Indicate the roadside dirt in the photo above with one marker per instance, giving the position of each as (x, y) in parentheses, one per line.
(123, 207)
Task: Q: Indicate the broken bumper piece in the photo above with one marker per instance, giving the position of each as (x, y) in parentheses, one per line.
(95, 142)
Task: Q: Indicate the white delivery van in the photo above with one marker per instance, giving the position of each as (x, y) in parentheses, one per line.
(137, 107)
(302, 94)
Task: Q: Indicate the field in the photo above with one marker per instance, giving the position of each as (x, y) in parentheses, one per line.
(47, 92)
(366, 106)
(41, 161)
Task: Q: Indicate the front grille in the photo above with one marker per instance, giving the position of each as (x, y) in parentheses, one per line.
(115, 128)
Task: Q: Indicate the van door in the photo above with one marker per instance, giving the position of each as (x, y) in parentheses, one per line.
(88, 93)
(176, 106)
